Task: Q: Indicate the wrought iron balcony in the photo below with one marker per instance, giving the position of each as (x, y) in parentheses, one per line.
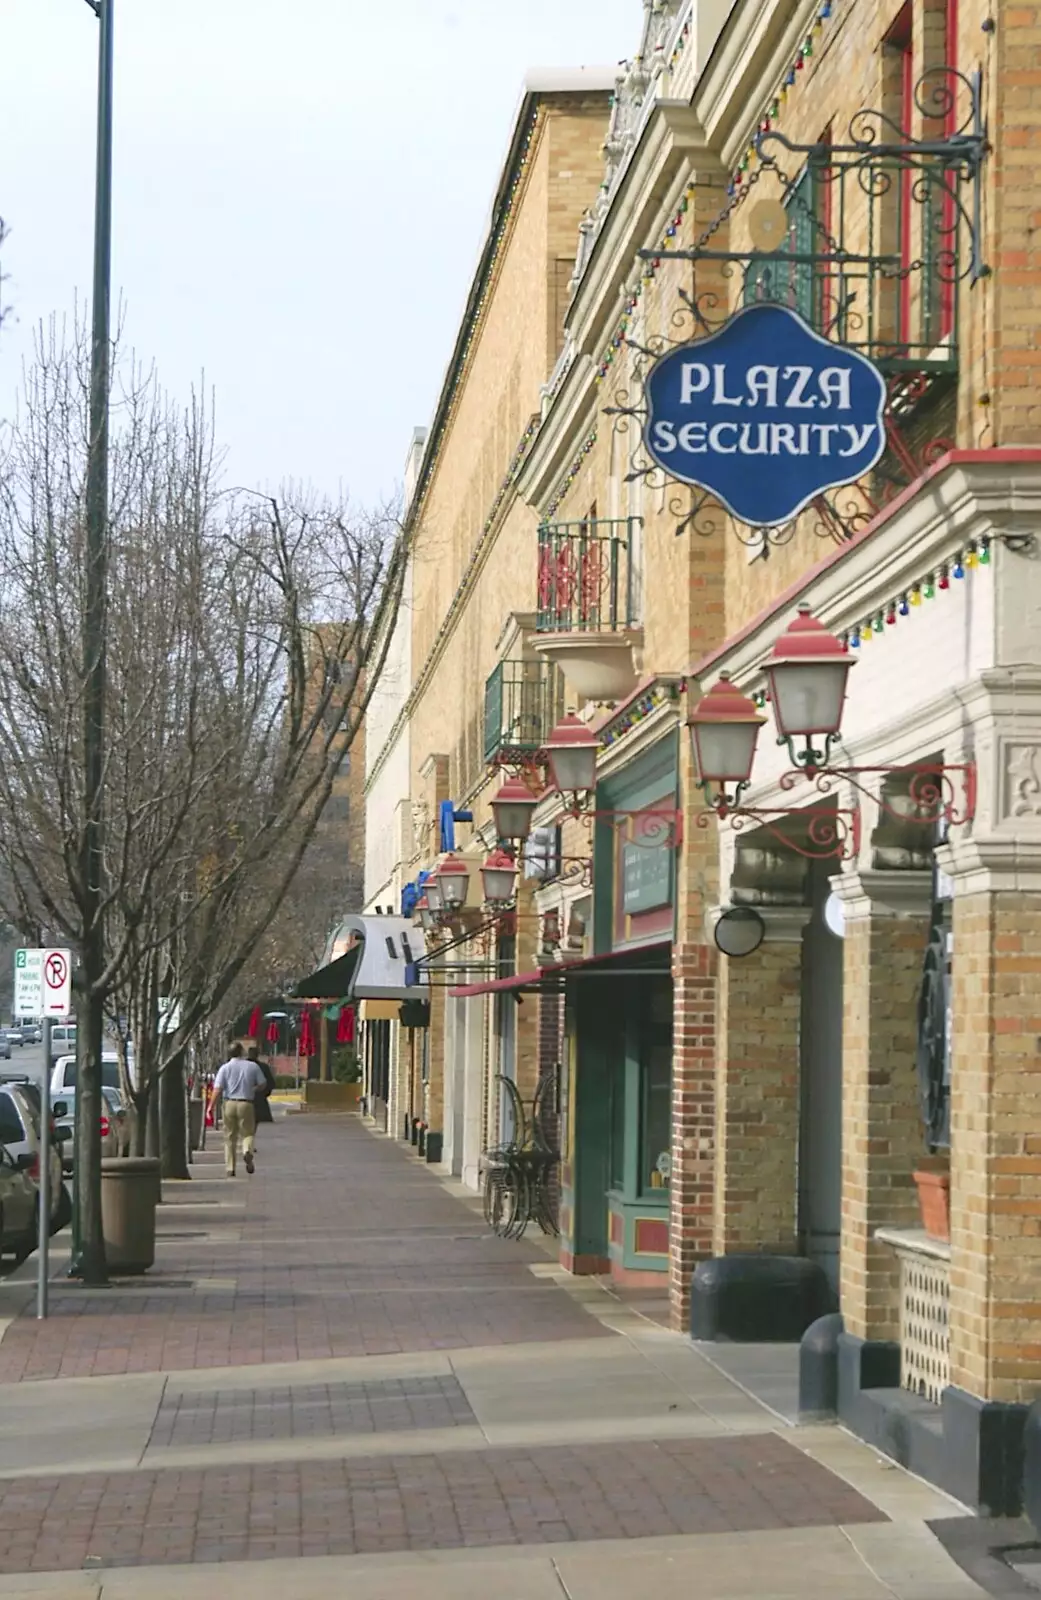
(586, 576)
(523, 702)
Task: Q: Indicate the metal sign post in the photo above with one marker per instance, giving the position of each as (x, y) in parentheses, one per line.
(44, 1242)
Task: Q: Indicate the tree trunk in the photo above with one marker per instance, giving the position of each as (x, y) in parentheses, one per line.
(152, 1121)
(88, 1262)
(173, 1121)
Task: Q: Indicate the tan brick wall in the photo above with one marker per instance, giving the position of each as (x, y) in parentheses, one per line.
(996, 1146)
(881, 1122)
(757, 1100)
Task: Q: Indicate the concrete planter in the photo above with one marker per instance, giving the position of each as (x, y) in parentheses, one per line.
(331, 1096)
(129, 1192)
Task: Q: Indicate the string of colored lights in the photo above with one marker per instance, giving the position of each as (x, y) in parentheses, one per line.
(572, 473)
(931, 584)
(784, 89)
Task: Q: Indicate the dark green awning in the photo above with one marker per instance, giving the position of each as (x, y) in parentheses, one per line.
(332, 982)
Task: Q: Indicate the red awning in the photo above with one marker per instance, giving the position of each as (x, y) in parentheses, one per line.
(550, 979)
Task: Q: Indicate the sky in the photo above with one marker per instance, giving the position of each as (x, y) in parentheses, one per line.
(301, 189)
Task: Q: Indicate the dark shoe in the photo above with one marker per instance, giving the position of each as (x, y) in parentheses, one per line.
(248, 1158)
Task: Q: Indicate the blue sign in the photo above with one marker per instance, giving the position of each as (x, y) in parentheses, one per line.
(765, 414)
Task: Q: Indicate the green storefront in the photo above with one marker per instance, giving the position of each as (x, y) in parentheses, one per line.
(618, 1091)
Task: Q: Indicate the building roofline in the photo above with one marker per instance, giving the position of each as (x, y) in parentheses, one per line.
(540, 85)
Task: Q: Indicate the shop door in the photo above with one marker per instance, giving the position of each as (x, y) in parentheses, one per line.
(820, 1141)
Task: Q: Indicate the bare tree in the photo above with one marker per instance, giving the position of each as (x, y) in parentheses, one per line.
(240, 661)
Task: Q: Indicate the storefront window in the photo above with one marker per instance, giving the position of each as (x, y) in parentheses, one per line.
(656, 1118)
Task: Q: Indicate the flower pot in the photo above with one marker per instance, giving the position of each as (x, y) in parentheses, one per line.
(934, 1196)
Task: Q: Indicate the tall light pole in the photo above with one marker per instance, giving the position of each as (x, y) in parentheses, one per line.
(88, 1260)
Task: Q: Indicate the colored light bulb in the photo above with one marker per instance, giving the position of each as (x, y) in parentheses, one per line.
(945, 581)
(929, 591)
(878, 623)
(971, 559)
(985, 553)
(890, 617)
(916, 596)
(959, 570)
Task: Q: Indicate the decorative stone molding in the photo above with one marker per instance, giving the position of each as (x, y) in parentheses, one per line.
(873, 893)
(634, 92)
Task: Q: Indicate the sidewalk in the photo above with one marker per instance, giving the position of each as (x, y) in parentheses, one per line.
(336, 1382)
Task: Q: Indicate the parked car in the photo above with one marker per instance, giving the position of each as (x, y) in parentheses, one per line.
(115, 1136)
(120, 1119)
(20, 1137)
(17, 1207)
(63, 1075)
(63, 1040)
(14, 1036)
(32, 1032)
(5, 1048)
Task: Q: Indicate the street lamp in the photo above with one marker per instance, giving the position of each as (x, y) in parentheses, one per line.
(512, 809)
(453, 880)
(424, 916)
(88, 1255)
(433, 894)
(724, 730)
(499, 877)
(807, 672)
(570, 753)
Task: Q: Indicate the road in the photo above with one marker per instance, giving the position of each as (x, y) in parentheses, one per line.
(25, 1062)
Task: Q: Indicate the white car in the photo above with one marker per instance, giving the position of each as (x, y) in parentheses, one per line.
(63, 1076)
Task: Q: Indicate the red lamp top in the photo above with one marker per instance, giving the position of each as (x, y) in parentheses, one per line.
(806, 640)
(499, 860)
(452, 866)
(725, 703)
(571, 734)
(515, 792)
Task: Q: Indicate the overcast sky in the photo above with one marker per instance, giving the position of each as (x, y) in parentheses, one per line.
(302, 187)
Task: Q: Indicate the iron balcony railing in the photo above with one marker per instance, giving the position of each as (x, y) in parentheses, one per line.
(587, 578)
(523, 702)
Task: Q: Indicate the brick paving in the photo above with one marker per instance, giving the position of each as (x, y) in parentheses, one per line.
(422, 1502)
(320, 1410)
(346, 1247)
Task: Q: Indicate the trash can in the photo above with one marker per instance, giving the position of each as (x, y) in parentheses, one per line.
(195, 1110)
(129, 1191)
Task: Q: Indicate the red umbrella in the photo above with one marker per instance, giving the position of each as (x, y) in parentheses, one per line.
(307, 1044)
(345, 1026)
(272, 1031)
(253, 1031)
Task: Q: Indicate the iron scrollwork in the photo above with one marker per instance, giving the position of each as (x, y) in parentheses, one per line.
(851, 295)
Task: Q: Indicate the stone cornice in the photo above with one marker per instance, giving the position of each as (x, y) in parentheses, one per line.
(756, 46)
(672, 146)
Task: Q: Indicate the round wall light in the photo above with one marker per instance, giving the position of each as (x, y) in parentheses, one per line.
(835, 915)
(739, 931)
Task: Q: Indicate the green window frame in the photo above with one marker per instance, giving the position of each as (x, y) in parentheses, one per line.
(793, 283)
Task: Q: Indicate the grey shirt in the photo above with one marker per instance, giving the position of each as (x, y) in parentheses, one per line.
(239, 1079)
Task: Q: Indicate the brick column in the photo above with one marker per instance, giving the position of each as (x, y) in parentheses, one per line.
(887, 923)
(757, 1091)
(995, 1306)
(693, 1091)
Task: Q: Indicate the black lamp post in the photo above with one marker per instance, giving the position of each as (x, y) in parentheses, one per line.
(88, 1252)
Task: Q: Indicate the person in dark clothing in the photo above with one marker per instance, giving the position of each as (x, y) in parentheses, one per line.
(262, 1098)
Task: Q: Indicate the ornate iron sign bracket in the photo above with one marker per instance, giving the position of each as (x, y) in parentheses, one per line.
(865, 219)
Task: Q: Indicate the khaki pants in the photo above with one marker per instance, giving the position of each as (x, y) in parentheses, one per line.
(239, 1122)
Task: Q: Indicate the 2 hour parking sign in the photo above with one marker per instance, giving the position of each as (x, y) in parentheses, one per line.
(765, 414)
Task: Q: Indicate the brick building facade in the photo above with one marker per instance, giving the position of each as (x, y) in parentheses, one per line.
(548, 574)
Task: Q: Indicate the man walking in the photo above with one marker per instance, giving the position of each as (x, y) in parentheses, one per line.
(236, 1083)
